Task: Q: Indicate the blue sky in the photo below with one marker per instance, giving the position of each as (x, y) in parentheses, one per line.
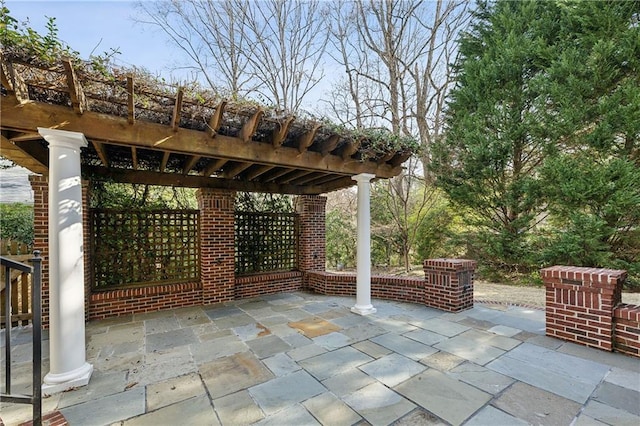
(98, 25)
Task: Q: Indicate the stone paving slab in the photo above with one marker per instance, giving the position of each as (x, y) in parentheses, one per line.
(481, 377)
(170, 339)
(161, 325)
(102, 384)
(281, 364)
(314, 327)
(392, 369)
(307, 351)
(348, 382)
(281, 392)
(404, 346)
(267, 346)
(618, 397)
(612, 359)
(536, 406)
(503, 330)
(333, 341)
(470, 349)
(329, 410)
(492, 416)
(194, 411)
(609, 415)
(233, 373)
(129, 404)
(374, 350)
(294, 415)
(444, 327)
(174, 390)
(425, 337)
(335, 362)
(564, 375)
(251, 331)
(625, 378)
(491, 339)
(378, 404)
(447, 398)
(217, 348)
(237, 409)
(443, 361)
(419, 417)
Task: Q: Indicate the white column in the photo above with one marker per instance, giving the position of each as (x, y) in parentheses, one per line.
(68, 366)
(363, 304)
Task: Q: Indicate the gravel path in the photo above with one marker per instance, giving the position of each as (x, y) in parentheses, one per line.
(521, 295)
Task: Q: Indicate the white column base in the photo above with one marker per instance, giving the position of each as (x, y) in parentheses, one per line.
(364, 310)
(55, 383)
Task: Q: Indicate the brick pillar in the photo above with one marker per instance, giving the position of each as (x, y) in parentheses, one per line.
(312, 242)
(40, 187)
(580, 303)
(217, 247)
(86, 242)
(449, 283)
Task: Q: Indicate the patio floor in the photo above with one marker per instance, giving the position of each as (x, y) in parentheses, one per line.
(305, 359)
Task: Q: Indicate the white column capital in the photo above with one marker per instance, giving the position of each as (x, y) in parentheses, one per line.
(63, 138)
(363, 177)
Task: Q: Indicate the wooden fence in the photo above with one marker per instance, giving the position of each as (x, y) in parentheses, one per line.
(20, 284)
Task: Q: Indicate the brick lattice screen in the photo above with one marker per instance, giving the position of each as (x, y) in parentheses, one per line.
(143, 247)
(265, 242)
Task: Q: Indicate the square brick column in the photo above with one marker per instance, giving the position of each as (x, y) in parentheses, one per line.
(311, 241)
(580, 303)
(217, 244)
(40, 187)
(449, 283)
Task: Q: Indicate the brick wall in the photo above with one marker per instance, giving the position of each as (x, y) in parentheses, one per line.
(217, 252)
(626, 319)
(311, 241)
(449, 283)
(269, 283)
(114, 303)
(580, 303)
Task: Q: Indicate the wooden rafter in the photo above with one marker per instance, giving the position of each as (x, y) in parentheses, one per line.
(216, 119)
(16, 154)
(350, 148)
(306, 179)
(177, 109)
(214, 166)
(102, 152)
(273, 176)
(75, 89)
(134, 157)
(191, 181)
(307, 138)
(236, 170)
(165, 160)
(13, 83)
(329, 145)
(400, 158)
(257, 171)
(188, 165)
(131, 104)
(385, 158)
(293, 176)
(251, 126)
(280, 132)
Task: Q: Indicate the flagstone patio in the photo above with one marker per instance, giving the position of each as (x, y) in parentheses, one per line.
(305, 359)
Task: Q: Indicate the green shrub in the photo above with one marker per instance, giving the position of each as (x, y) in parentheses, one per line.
(16, 222)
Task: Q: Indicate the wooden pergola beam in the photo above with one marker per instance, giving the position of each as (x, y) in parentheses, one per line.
(25, 117)
(350, 148)
(278, 174)
(177, 109)
(216, 119)
(306, 179)
(134, 157)
(75, 89)
(295, 175)
(16, 154)
(13, 83)
(251, 125)
(280, 132)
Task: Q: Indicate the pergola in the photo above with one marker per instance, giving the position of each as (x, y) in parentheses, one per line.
(69, 121)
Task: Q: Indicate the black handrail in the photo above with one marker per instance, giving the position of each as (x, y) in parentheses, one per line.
(36, 310)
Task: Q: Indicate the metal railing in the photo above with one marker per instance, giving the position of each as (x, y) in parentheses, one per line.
(36, 309)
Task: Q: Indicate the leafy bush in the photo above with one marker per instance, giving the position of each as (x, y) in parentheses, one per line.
(16, 222)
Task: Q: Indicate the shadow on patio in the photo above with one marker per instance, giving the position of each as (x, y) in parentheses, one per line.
(300, 358)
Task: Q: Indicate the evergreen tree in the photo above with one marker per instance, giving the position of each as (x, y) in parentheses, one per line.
(496, 134)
